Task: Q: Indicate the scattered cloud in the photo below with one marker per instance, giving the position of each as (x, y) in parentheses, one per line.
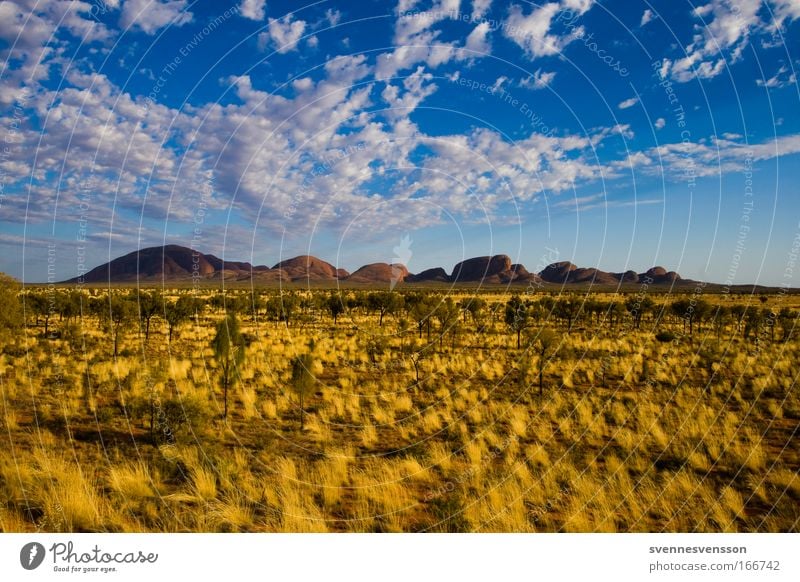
(539, 80)
(30, 32)
(477, 41)
(577, 7)
(480, 8)
(532, 31)
(340, 141)
(150, 16)
(416, 40)
(499, 82)
(333, 16)
(253, 9)
(647, 17)
(708, 158)
(784, 10)
(283, 34)
(415, 88)
(780, 80)
(594, 201)
(722, 34)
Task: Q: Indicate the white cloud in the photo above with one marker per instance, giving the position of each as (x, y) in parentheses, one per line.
(409, 26)
(283, 33)
(708, 158)
(780, 80)
(647, 16)
(405, 5)
(480, 8)
(417, 87)
(92, 130)
(333, 16)
(452, 7)
(622, 130)
(660, 123)
(725, 33)
(539, 80)
(303, 84)
(30, 30)
(533, 32)
(578, 7)
(422, 48)
(785, 10)
(530, 31)
(492, 171)
(499, 82)
(477, 40)
(417, 41)
(150, 16)
(593, 201)
(262, 149)
(253, 9)
(628, 103)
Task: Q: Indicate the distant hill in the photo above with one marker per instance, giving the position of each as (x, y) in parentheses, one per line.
(306, 267)
(176, 263)
(168, 263)
(379, 273)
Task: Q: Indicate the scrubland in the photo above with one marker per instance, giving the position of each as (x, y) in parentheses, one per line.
(409, 425)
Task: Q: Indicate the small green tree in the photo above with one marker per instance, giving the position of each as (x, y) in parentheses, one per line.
(11, 316)
(690, 311)
(568, 309)
(517, 317)
(282, 307)
(788, 319)
(303, 379)
(39, 306)
(475, 307)
(417, 351)
(718, 317)
(421, 312)
(545, 342)
(70, 305)
(638, 307)
(180, 311)
(116, 313)
(384, 302)
(335, 306)
(229, 350)
(446, 314)
(150, 303)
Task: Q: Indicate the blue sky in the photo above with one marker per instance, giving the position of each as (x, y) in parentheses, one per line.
(613, 134)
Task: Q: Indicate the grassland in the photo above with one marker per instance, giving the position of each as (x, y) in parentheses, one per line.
(662, 416)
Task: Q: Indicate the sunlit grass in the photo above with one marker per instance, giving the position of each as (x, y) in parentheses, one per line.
(628, 434)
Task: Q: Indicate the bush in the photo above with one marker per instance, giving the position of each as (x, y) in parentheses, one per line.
(665, 336)
(185, 415)
(173, 418)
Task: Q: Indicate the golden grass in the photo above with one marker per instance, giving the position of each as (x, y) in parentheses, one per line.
(472, 447)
